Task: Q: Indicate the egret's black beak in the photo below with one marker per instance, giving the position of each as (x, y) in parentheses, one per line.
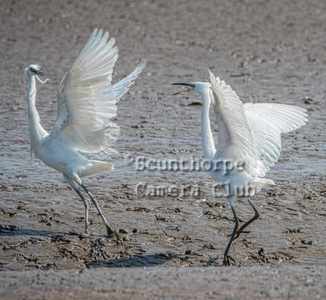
(184, 84)
(37, 72)
(189, 85)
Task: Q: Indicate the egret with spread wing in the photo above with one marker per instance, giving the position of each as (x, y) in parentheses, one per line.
(87, 106)
(249, 136)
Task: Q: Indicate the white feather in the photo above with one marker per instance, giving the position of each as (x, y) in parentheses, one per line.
(251, 133)
(87, 101)
(235, 141)
(267, 122)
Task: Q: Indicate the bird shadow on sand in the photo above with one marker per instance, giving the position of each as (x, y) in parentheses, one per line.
(145, 260)
(13, 230)
(134, 261)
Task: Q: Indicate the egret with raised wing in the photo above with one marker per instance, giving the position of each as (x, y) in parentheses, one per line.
(87, 106)
(249, 135)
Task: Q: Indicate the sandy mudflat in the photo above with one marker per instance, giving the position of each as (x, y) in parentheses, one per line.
(269, 51)
(265, 282)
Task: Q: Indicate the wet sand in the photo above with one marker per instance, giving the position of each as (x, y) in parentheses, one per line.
(269, 51)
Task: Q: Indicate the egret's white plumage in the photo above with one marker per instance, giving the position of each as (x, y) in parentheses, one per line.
(267, 122)
(87, 106)
(251, 132)
(248, 133)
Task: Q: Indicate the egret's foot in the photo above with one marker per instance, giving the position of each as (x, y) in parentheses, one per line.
(114, 234)
(227, 260)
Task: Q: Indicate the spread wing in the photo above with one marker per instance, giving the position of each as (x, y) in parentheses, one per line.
(87, 101)
(267, 122)
(235, 139)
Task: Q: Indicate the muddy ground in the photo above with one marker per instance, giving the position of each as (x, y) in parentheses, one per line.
(269, 51)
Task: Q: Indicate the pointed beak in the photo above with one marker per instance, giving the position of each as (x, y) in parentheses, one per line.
(184, 84)
(189, 85)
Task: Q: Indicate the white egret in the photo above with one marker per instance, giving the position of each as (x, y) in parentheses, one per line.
(87, 106)
(249, 134)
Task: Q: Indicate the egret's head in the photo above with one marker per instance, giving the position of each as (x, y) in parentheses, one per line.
(33, 70)
(202, 88)
(198, 86)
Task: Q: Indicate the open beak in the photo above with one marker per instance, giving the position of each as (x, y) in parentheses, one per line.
(190, 85)
(38, 74)
(42, 81)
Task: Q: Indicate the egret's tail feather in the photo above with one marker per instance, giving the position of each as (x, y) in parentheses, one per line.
(97, 166)
(260, 183)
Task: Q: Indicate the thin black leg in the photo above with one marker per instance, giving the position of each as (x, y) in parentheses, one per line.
(226, 259)
(110, 231)
(86, 205)
(255, 217)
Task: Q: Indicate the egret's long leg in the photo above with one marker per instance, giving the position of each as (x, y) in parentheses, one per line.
(255, 217)
(110, 231)
(226, 259)
(86, 204)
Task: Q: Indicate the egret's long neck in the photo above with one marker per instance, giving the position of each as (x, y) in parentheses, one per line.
(36, 131)
(207, 136)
